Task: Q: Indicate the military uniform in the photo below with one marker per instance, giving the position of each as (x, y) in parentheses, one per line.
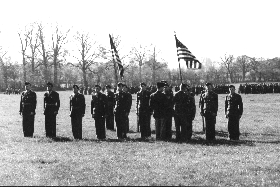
(233, 111)
(77, 111)
(51, 106)
(184, 114)
(158, 107)
(128, 97)
(144, 112)
(169, 113)
(110, 118)
(209, 109)
(28, 104)
(121, 109)
(99, 109)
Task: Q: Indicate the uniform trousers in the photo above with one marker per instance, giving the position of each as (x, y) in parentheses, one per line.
(110, 122)
(120, 119)
(50, 125)
(210, 122)
(28, 124)
(145, 124)
(168, 123)
(76, 121)
(160, 128)
(183, 126)
(100, 127)
(233, 127)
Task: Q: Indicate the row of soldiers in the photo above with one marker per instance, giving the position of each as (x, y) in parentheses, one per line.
(261, 88)
(163, 105)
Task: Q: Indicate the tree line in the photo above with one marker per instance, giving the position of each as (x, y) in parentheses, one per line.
(47, 57)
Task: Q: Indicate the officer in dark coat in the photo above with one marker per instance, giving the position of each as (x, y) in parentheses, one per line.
(99, 109)
(27, 109)
(77, 111)
(158, 107)
(209, 109)
(169, 109)
(128, 97)
(51, 107)
(184, 113)
(121, 112)
(233, 111)
(110, 113)
(143, 111)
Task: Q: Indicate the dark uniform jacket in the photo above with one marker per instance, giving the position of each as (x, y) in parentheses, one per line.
(99, 105)
(28, 102)
(122, 104)
(51, 102)
(209, 103)
(233, 105)
(169, 104)
(110, 102)
(128, 97)
(143, 101)
(77, 104)
(158, 104)
(184, 105)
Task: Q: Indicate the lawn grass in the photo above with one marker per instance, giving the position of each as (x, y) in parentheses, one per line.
(252, 161)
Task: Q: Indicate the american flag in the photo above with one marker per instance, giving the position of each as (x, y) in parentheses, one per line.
(116, 57)
(184, 54)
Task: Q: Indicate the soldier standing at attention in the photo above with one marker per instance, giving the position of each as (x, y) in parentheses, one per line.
(143, 111)
(77, 112)
(169, 109)
(158, 107)
(110, 113)
(121, 112)
(184, 113)
(51, 107)
(128, 97)
(209, 109)
(27, 109)
(233, 111)
(99, 111)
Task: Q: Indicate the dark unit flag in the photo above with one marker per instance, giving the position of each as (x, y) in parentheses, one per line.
(116, 57)
(184, 54)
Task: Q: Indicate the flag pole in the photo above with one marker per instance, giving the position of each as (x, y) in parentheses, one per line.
(178, 59)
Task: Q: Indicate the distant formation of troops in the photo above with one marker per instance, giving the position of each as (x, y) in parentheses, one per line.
(262, 88)
(110, 107)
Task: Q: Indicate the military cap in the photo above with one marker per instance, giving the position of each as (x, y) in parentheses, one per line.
(231, 86)
(124, 85)
(160, 84)
(108, 86)
(143, 84)
(27, 83)
(49, 84)
(97, 86)
(75, 85)
(120, 84)
(208, 84)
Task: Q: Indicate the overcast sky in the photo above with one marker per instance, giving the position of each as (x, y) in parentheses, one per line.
(209, 28)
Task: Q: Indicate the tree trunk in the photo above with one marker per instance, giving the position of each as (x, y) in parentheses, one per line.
(55, 65)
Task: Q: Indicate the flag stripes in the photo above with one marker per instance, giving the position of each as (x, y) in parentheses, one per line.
(183, 53)
(116, 57)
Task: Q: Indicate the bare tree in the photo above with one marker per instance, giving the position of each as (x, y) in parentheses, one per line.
(139, 54)
(44, 53)
(24, 43)
(87, 55)
(242, 63)
(227, 62)
(58, 40)
(155, 65)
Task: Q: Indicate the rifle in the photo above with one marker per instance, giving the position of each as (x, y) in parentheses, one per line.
(203, 125)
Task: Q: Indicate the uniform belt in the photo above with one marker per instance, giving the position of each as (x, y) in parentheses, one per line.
(51, 104)
(27, 103)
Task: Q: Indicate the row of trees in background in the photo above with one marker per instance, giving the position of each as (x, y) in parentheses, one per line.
(49, 58)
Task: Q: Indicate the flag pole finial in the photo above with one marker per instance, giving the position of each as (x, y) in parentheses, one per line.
(174, 33)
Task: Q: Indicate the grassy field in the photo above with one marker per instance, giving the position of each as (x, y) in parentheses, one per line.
(252, 161)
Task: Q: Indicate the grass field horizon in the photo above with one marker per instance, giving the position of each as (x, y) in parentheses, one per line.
(254, 160)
